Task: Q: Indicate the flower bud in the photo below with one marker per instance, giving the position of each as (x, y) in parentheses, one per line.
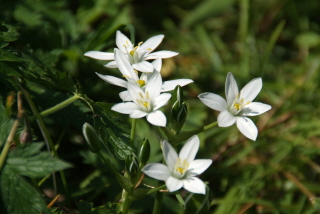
(144, 154)
(179, 110)
(93, 140)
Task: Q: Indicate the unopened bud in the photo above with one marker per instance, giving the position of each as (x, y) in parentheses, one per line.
(93, 140)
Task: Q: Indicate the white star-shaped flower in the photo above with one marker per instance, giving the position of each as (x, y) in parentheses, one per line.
(136, 55)
(180, 171)
(237, 106)
(131, 76)
(146, 102)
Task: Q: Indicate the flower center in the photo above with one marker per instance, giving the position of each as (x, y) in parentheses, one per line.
(238, 105)
(180, 168)
(135, 48)
(144, 102)
(141, 83)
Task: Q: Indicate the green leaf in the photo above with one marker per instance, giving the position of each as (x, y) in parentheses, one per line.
(109, 208)
(10, 35)
(24, 161)
(113, 132)
(205, 9)
(7, 56)
(5, 124)
(18, 196)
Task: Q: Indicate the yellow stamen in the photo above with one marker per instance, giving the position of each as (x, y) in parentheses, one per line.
(126, 76)
(146, 104)
(149, 49)
(147, 95)
(141, 83)
(237, 106)
(141, 95)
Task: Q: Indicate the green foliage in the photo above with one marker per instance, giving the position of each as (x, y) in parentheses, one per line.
(26, 160)
(18, 196)
(113, 132)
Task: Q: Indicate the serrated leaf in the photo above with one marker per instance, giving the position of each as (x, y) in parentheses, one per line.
(22, 161)
(7, 56)
(18, 196)
(10, 35)
(113, 133)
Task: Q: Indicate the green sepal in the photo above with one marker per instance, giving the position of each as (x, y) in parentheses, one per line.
(93, 140)
(144, 154)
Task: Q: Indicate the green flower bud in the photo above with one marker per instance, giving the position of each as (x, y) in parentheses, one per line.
(179, 110)
(144, 154)
(93, 140)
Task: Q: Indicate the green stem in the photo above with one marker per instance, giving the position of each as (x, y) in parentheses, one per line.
(157, 202)
(210, 126)
(156, 189)
(60, 105)
(125, 202)
(133, 129)
(45, 135)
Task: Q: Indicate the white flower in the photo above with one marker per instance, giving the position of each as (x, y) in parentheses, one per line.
(181, 170)
(145, 102)
(238, 106)
(137, 56)
(131, 76)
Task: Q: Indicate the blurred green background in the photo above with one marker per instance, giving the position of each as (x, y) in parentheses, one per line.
(278, 40)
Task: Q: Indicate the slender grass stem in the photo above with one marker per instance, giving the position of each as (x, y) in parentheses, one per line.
(60, 105)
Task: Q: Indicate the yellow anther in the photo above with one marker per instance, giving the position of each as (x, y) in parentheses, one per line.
(126, 76)
(135, 71)
(247, 103)
(131, 53)
(149, 49)
(141, 83)
(141, 95)
(147, 95)
(237, 106)
(180, 169)
(140, 43)
(146, 104)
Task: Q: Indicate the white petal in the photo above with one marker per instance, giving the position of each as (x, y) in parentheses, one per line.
(125, 96)
(113, 80)
(157, 64)
(255, 108)
(138, 113)
(162, 54)
(157, 171)
(124, 65)
(194, 185)
(100, 55)
(152, 43)
(153, 86)
(125, 108)
(231, 89)
(173, 184)
(134, 91)
(225, 119)
(122, 40)
(143, 66)
(171, 84)
(190, 149)
(213, 101)
(161, 100)
(111, 64)
(170, 155)
(247, 127)
(199, 166)
(251, 90)
(157, 118)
